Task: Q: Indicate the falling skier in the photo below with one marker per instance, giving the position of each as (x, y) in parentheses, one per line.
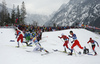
(66, 39)
(76, 42)
(93, 45)
(38, 45)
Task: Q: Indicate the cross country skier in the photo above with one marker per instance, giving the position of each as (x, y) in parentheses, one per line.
(38, 45)
(93, 45)
(66, 39)
(76, 42)
(27, 37)
(20, 37)
(32, 35)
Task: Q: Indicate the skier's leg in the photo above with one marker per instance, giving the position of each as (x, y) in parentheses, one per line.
(45, 50)
(18, 44)
(67, 45)
(37, 48)
(79, 44)
(93, 47)
(30, 42)
(64, 47)
(74, 44)
(16, 35)
(21, 39)
(18, 41)
(41, 48)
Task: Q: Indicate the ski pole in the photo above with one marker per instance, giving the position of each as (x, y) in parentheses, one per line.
(45, 37)
(74, 50)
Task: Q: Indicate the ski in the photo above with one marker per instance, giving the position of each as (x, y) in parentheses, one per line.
(24, 47)
(67, 53)
(56, 50)
(46, 53)
(91, 54)
(12, 40)
(28, 51)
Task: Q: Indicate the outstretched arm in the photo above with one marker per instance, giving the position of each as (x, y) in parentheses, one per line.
(96, 43)
(59, 37)
(70, 36)
(88, 41)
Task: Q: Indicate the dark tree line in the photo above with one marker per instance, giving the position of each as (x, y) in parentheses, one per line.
(7, 18)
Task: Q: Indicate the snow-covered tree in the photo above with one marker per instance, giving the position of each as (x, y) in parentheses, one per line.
(13, 15)
(4, 13)
(23, 12)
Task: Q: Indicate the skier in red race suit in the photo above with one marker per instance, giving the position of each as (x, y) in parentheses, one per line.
(66, 39)
(93, 45)
(20, 37)
(76, 42)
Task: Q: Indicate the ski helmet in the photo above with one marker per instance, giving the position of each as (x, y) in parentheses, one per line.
(62, 34)
(90, 38)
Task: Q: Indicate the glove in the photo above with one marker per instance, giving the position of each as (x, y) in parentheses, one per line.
(58, 36)
(98, 45)
(72, 41)
(69, 35)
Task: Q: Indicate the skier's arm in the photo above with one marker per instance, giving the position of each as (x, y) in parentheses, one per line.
(88, 41)
(70, 36)
(72, 41)
(74, 36)
(96, 43)
(59, 37)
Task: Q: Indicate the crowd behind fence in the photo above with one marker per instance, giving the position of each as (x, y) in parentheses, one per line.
(47, 29)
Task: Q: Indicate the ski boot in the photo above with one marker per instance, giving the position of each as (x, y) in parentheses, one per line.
(65, 51)
(46, 51)
(70, 53)
(95, 54)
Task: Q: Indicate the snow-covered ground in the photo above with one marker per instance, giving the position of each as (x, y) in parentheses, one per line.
(11, 55)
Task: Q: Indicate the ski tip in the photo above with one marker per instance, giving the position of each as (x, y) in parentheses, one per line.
(95, 55)
(28, 51)
(12, 40)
